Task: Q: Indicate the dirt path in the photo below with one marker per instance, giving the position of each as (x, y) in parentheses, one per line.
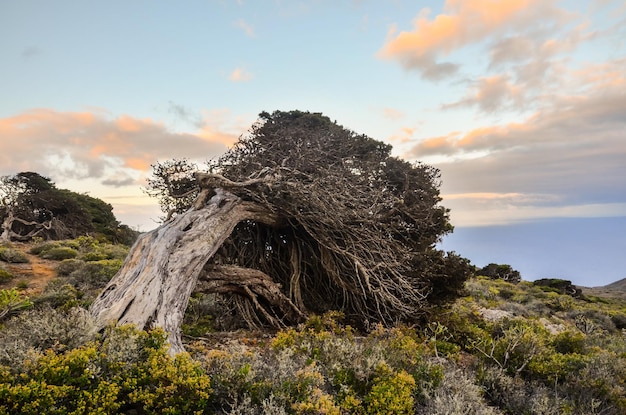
(36, 274)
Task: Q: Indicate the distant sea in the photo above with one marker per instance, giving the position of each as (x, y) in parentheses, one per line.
(588, 251)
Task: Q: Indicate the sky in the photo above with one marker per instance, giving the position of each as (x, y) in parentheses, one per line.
(521, 104)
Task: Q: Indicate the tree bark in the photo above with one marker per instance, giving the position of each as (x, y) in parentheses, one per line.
(161, 271)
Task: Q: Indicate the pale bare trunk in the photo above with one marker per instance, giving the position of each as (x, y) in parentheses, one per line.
(154, 285)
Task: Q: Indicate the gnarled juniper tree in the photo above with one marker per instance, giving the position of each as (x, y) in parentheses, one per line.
(300, 216)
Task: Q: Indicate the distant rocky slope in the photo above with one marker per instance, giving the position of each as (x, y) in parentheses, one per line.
(616, 289)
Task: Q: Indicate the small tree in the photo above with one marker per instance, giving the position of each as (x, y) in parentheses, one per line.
(500, 271)
(31, 205)
(19, 219)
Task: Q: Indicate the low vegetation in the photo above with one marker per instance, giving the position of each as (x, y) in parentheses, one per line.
(503, 348)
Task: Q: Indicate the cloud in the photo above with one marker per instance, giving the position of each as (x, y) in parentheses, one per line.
(491, 94)
(247, 29)
(240, 75)
(393, 114)
(92, 145)
(463, 22)
(566, 159)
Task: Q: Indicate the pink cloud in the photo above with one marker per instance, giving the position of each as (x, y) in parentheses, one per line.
(462, 23)
(92, 145)
(240, 75)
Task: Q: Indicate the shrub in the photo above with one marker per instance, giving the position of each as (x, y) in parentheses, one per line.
(569, 342)
(92, 277)
(12, 301)
(560, 286)
(43, 329)
(67, 266)
(12, 255)
(59, 294)
(590, 321)
(391, 392)
(512, 345)
(105, 251)
(500, 271)
(620, 321)
(5, 275)
(41, 247)
(515, 396)
(457, 394)
(59, 253)
(88, 380)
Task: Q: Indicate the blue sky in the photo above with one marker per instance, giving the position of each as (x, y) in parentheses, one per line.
(521, 104)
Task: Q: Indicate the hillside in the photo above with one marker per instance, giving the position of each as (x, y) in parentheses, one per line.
(616, 289)
(503, 348)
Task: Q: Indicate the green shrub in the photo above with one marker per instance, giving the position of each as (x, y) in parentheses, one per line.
(619, 320)
(512, 345)
(12, 301)
(59, 253)
(569, 342)
(12, 255)
(513, 395)
(5, 275)
(391, 393)
(39, 248)
(106, 251)
(457, 394)
(59, 294)
(92, 277)
(591, 323)
(43, 329)
(89, 380)
(67, 266)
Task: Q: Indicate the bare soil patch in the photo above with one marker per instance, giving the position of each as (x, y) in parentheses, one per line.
(36, 273)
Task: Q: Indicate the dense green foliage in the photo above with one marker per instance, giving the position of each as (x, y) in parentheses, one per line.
(500, 271)
(126, 371)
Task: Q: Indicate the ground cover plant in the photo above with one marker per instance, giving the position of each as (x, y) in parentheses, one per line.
(504, 348)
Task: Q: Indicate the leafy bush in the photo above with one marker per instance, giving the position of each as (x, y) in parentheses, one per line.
(391, 392)
(43, 329)
(80, 280)
(12, 255)
(12, 301)
(105, 251)
(5, 275)
(321, 367)
(42, 247)
(85, 248)
(98, 378)
(67, 266)
(619, 320)
(500, 271)
(457, 394)
(59, 294)
(59, 253)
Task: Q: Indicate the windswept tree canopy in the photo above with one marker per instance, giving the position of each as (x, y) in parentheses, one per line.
(348, 226)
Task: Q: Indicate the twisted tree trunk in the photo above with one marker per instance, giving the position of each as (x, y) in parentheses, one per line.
(162, 269)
